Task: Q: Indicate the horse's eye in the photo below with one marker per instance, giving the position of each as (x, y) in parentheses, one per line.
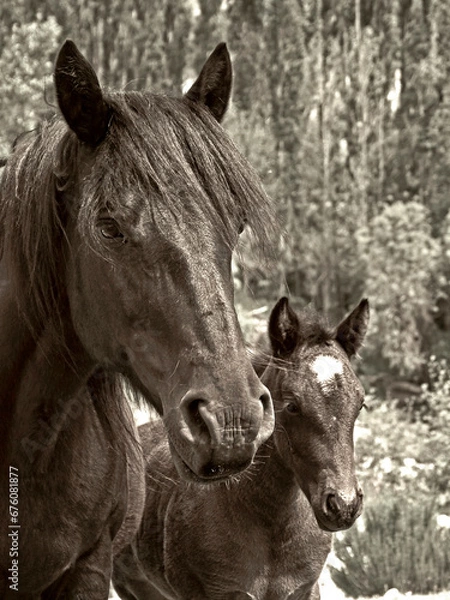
(292, 408)
(110, 230)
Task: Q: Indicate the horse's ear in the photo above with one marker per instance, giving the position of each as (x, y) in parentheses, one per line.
(213, 86)
(351, 332)
(283, 328)
(79, 95)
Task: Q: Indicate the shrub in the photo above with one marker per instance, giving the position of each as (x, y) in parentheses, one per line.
(437, 419)
(392, 453)
(405, 452)
(402, 258)
(398, 544)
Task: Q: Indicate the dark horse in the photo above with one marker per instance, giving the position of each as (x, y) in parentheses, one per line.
(266, 535)
(117, 233)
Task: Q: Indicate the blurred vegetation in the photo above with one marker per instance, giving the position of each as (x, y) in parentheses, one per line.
(402, 539)
(401, 546)
(404, 450)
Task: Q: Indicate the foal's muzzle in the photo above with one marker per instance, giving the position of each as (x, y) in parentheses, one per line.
(339, 510)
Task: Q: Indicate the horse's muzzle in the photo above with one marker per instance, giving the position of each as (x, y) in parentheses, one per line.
(215, 440)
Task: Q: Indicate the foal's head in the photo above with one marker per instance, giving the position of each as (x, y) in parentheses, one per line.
(317, 399)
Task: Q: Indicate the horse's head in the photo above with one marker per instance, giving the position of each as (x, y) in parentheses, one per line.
(317, 399)
(152, 196)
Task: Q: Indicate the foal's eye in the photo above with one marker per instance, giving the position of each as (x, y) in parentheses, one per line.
(292, 408)
(110, 230)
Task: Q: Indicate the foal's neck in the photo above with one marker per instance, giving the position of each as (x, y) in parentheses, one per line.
(38, 374)
(269, 489)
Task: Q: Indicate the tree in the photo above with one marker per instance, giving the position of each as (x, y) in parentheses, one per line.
(401, 257)
(26, 63)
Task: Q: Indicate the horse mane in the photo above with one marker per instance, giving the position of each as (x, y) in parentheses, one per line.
(111, 392)
(185, 162)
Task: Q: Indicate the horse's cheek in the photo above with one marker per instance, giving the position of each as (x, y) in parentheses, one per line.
(90, 305)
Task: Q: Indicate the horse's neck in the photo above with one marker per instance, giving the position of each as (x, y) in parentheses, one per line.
(37, 376)
(16, 345)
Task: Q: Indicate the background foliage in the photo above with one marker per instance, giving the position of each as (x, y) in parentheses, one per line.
(400, 547)
(403, 538)
(343, 106)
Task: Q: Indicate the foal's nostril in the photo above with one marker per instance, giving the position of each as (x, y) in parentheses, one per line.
(358, 505)
(337, 507)
(331, 504)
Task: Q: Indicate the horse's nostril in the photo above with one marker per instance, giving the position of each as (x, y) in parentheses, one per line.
(226, 428)
(197, 427)
(266, 418)
(190, 408)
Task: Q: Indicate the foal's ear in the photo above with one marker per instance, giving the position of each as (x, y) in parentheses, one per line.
(351, 332)
(79, 95)
(213, 86)
(283, 328)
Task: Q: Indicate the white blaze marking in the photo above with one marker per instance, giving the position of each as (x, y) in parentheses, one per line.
(326, 367)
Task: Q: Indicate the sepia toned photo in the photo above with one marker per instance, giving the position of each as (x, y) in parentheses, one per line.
(225, 300)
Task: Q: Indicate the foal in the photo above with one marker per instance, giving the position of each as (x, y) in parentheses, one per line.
(266, 535)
